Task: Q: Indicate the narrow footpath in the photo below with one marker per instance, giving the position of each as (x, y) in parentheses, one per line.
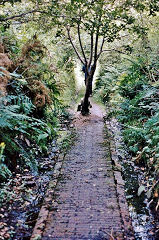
(85, 202)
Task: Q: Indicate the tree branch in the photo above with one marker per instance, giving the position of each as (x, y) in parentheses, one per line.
(21, 15)
(115, 50)
(96, 46)
(78, 55)
(101, 48)
(80, 42)
(97, 35)
(91, 53)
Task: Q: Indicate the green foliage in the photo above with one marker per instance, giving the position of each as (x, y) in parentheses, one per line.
(139, 115)
(4, 171)
(139, 107)
(16, 126)
(30, 111)
(64, 61)
(142, 106)
(134, 138)
(105, 84)
(5, 194)
(9, 1)
(133, 81)
(14, 114)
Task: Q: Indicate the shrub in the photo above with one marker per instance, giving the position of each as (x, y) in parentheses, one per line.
(4, 171)
(18, 127)
(139, 115)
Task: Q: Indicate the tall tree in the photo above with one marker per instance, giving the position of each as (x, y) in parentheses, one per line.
(99, 21)
(89, 25)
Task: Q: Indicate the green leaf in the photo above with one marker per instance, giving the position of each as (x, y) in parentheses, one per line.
(42, 136)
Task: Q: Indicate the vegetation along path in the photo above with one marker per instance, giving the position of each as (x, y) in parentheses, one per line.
(86, 204)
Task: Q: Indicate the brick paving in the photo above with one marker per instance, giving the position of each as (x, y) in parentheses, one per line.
(85, 204)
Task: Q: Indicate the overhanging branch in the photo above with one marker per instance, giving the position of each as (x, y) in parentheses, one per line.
(21, 15)
(78, 55)
(80, 42)
(113, 50)
(96, 46)
(91, 53)
(101, 48)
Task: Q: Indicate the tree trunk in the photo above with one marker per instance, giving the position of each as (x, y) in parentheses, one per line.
(85, 104)
(88, 92)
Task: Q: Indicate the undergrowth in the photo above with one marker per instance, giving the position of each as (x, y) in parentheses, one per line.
(131, 88)
(31, 111)
(139, 116)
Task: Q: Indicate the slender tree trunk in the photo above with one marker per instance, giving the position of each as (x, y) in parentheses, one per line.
(88, 92)
(85, 103)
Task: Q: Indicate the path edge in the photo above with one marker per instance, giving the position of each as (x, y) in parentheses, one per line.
(120, 185)
(44, 211)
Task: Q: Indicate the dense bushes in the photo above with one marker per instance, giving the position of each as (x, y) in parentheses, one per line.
(29, 106)
(131, 87)
(106, 84)
(19, 130)
(139, 115)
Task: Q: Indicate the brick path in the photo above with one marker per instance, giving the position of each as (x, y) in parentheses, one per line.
(86, 205)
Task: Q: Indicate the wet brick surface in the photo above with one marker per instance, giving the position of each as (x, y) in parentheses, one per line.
(85, 204)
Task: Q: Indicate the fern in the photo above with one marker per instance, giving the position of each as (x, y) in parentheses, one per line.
(4, 171)
(15, 122)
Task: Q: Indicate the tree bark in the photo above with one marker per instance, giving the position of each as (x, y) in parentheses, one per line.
(85, 103)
